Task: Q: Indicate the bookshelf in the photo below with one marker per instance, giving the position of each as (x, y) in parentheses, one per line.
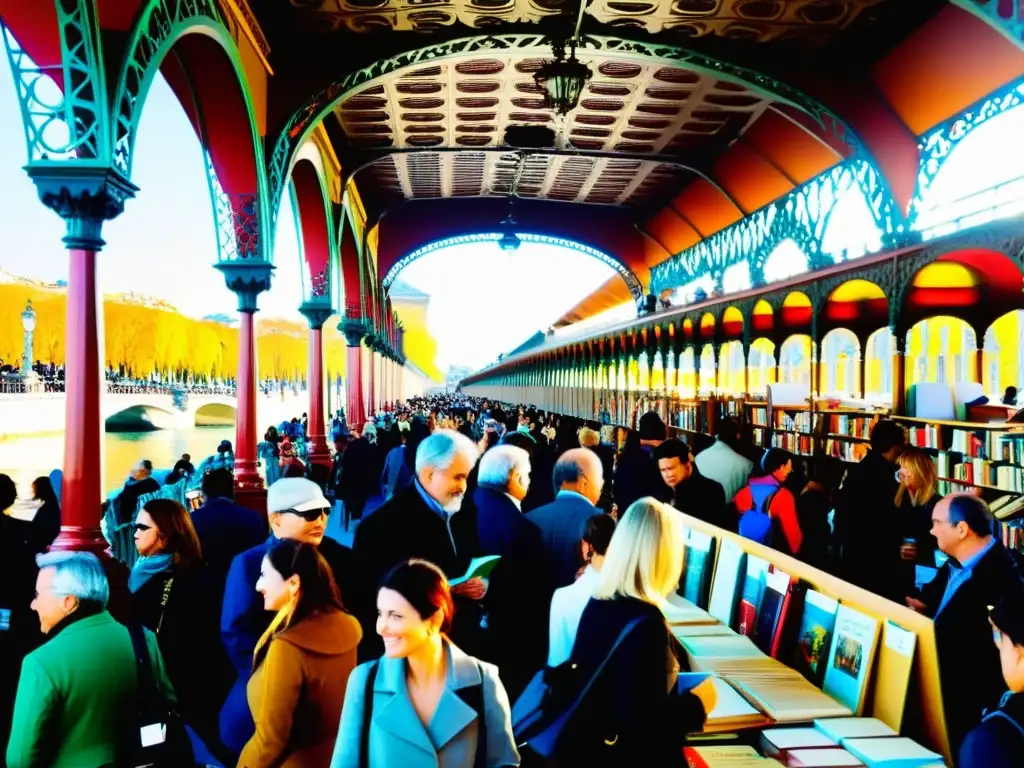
(918, 706)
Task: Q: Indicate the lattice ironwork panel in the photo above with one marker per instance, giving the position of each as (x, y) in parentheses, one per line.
(813, 21)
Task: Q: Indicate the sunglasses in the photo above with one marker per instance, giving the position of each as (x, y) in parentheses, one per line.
(309, 515)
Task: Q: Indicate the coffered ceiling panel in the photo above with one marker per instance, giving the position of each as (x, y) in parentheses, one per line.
(630, 108)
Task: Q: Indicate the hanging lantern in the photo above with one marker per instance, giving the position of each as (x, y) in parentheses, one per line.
(509, 240)
(563, 80)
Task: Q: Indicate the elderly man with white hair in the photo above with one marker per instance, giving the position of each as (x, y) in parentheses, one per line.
(423, 521)
(516, 601)
(77, 697)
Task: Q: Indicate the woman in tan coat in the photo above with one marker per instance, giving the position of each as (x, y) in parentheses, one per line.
(302, 662)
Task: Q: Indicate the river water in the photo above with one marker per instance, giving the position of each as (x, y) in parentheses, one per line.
(27, 457)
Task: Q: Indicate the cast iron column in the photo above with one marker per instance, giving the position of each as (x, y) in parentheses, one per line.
(247, 278)
(85, 197)
(316, 315)
(354, 332)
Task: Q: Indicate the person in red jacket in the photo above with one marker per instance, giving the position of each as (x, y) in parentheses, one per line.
(768, 494)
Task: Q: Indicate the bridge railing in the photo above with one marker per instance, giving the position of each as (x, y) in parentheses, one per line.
(12, 386)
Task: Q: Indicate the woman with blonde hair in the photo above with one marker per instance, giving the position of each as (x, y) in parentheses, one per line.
(636, 715)
(302, 662)
(916, 497)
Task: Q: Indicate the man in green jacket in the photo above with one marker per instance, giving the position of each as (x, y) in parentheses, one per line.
(76, 705)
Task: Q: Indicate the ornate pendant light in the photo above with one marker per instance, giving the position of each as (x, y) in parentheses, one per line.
(509, 240)
(562, 79)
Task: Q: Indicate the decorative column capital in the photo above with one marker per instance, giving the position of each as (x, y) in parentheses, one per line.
(354, 331)
(317, 312)
(247, 279)
(84, 195)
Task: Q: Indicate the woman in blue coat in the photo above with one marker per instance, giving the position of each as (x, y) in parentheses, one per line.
(425, 703)
(998, 740)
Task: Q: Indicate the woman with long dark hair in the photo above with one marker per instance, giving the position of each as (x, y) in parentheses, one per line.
(173, 596)
(450, 709)
(46, 523)
(302, 662)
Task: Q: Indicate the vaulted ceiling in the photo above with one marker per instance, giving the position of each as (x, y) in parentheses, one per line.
(729, 106)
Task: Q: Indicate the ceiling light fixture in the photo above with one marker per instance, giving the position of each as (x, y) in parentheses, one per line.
(562, 79)
(509, 240)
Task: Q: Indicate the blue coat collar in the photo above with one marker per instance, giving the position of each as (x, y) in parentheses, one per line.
(393, 710)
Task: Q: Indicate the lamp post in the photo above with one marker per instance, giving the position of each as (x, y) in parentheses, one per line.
(28, 322)
(29, 379)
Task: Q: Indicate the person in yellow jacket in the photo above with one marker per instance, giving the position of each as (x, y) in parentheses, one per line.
(301, 664)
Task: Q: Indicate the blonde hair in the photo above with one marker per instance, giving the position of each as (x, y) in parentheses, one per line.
(645, 556)
(588, 437)
(920, 464)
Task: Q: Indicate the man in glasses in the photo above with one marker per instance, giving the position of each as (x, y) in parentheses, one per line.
(296, 509)
(976, 576)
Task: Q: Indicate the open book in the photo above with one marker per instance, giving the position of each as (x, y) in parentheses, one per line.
(479, 568)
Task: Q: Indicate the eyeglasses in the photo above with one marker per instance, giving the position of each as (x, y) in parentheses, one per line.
(309, 515)
(140, 527)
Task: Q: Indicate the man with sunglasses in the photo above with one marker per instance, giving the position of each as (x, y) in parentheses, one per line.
(296, 509)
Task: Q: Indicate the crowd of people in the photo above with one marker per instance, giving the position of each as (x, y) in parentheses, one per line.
(269, 643)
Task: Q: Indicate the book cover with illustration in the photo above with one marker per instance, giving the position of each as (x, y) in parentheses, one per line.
(725, 588)
(750, 600)
(850, 658)
(700, 548)
(814, 638)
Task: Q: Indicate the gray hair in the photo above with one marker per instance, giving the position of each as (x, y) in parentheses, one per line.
(79, 574)
(575, 464)
(438, 451)
(499, 464)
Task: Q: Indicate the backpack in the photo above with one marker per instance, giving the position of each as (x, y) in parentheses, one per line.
(546, 718)
(756, 523)
(473, 696)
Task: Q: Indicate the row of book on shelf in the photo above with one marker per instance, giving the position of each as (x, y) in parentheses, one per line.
(969, 456)
(780, 654)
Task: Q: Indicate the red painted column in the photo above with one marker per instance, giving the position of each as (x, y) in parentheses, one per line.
(319, 453)
(374, 398)
(355, 410)
(85, 197)
(82, 493)
(249, 489)
(316, 314)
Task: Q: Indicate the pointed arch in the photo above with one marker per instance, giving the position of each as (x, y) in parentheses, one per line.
(189, 43)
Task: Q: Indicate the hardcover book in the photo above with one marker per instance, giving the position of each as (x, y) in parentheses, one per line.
(814, 638)
(851, 657)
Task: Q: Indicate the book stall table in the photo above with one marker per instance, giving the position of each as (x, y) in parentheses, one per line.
(810, 670)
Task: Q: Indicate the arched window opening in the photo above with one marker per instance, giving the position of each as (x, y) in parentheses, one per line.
(761, 366)
(852, 230)
(878, 366)
(1001, 369)
(736, 278)
(787, 260)
(795, 360)
(978, 182)
(708, 379)
(933, 342)
(731, 368)
(840, 364)
(687, 376)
